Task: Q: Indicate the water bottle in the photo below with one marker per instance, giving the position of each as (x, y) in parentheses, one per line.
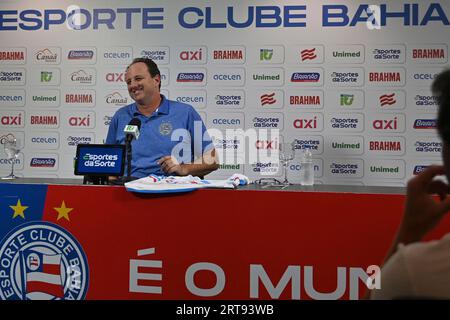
(307, 170)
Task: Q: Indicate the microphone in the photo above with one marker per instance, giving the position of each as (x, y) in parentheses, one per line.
(132, 129)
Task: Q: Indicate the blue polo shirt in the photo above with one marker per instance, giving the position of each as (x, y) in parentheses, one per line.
(173, 129)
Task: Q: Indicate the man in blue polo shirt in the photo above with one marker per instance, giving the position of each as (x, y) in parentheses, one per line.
(173, 138)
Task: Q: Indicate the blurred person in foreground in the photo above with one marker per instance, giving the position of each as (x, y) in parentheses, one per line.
(414, 269)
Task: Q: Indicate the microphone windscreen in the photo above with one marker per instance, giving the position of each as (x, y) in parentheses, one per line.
(135, 122)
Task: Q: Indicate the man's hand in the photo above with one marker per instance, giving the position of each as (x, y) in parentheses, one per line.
(422, 212)
(170, 165)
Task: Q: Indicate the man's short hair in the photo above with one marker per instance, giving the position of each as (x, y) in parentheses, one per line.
(151, 66)
(441, 90)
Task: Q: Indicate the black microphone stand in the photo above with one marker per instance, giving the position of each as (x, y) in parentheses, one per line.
(128, 150)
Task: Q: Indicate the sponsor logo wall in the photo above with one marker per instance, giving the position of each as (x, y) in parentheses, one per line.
(358, 96)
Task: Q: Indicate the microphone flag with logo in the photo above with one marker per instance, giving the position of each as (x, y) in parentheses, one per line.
(132, 129)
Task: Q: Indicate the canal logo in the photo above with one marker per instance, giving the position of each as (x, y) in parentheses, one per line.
(37, 267)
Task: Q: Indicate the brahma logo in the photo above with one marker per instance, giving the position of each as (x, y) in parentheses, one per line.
(42, 162)
(429, 53)
(116, 99)
(12, 118)
(192, 55)
(158, 54)
(425, 124)
(388, 54)
(386, 145)
(12, 76)
(83, 98)
(48, 56)
(307, 99)
(228, 55)
(13, 55)
(36, 267)
(386, 77)
(44, 119)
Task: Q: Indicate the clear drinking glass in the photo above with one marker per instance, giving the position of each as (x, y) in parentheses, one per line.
(286, 155)
(12, 147)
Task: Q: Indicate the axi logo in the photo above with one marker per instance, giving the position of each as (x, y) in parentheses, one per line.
(267, 144)
(268, 99)
(308, 54)
(306, 123)
(346, 99)
(46, 76)
(12, 120)
(386, 124)
(387, 99)
(115, 76)
(187, 55)
(265, 54)
(83, 121)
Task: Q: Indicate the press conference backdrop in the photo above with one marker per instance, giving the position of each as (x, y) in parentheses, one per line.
(352, 85)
